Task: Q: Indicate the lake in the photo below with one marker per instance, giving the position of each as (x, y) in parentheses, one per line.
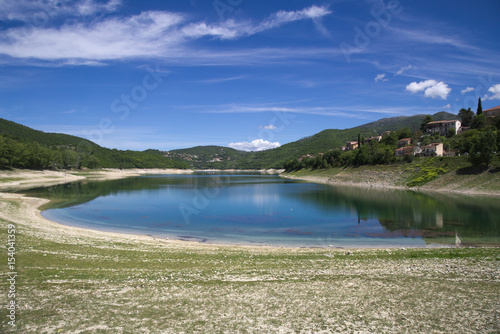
(269, 210)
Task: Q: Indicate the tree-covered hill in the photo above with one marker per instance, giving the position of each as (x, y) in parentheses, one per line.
(224, 158)
(23, 147)
(411, 122)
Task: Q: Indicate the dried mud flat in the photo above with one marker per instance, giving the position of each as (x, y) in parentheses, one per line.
(73, 280)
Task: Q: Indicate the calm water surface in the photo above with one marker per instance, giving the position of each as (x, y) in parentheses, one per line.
(267, 209)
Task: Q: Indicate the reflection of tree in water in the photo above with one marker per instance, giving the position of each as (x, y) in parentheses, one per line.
(396, 211)
(79, 192)
(405, 211)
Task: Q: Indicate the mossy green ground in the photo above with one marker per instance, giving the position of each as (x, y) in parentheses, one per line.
(454, 173)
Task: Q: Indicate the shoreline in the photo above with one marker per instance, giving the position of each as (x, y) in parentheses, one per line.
(10, 192)
(334, 180)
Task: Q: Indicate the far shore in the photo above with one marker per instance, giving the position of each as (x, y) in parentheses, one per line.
(381, 185)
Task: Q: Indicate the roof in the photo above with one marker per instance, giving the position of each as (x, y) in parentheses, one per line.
(434, 144)
(440, 122)
(497, 108)
(405, 139)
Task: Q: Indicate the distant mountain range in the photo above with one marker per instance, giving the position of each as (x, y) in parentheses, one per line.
(216, 157)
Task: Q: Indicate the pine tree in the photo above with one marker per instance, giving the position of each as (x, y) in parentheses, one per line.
(423, 125)
(479, 107)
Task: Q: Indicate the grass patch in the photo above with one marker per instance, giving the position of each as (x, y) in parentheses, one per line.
(11, 179)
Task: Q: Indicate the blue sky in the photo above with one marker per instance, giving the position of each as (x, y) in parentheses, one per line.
(248, 74)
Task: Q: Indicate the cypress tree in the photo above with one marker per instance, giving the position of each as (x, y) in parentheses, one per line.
(479, 107)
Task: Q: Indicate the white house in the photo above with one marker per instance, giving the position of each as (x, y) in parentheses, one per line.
(443, 126)
(434, 149)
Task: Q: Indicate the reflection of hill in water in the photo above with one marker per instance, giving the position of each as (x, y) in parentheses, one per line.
(401, 213)
(79, 192)
(74, 193)
(412, 213)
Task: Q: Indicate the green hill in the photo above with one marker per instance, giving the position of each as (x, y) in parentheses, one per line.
(23, 147)
(218, 157)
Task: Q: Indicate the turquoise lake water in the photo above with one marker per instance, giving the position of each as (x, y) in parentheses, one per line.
(268, 209)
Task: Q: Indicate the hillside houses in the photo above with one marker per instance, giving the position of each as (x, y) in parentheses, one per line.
(351, 145)
(404, 142)
(373, 139)
(492, 112)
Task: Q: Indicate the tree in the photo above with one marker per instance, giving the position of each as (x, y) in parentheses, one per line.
(466, 115)
(427, 119)
(479, 107)
(482, 149)
(390, 139)
(404, 133)
(478, 122)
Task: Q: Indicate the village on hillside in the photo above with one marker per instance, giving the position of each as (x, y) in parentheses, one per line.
(422, 145)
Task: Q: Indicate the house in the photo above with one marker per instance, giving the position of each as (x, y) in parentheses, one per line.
(407, 150)
(404, 142)
(373, 139)
(492, 112)
(308, 156)
(434, 149)
(352, 145)
(443, 126)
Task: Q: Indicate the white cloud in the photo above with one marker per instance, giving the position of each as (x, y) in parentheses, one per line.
(402, 70)
(140, 35)
(416, 87)
(268, 127)
(466, 90)
(256, 145)
(440, 90)
(380, 77)
(149, 34)
(495, 90)
(448, 106)
(39, 12)
(431, 88)
(231, 29)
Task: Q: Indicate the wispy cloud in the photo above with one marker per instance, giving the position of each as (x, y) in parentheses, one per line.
(39, 12)
(268, 127)
(149, 34)
(430, 37)
(381, 77)
(221, 80)
(402, 70)
(353, 111)
(466, 90)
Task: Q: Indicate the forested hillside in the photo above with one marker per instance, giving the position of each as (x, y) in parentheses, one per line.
(224, 158)
(23, 147)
